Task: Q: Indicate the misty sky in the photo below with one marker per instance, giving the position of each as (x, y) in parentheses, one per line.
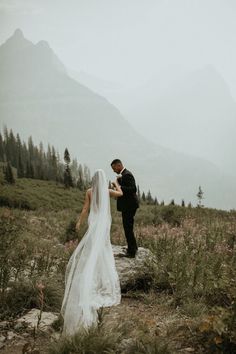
(130, 41)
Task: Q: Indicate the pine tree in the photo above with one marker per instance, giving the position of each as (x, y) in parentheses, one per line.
(9, 173)
(172, 202)
(29, 170)
(80, 180)
(183, 203)
(87, 178)
(149, 198)
(2, 152)
(12, 149)
(31, 148)
(41, 162)
(24, 154)
(143, 197)
(6, 143)
(67, 156)
(156, 201)
(54, 165)
(60, 168)
(138, 193)
(49, 163)
(18, 142)
(20, 167)
(200, 197)
(68, 182)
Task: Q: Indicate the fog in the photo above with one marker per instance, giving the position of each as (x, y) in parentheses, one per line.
(166, 67)
(130, 41)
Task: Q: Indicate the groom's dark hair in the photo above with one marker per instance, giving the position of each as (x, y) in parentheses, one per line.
(116, 161)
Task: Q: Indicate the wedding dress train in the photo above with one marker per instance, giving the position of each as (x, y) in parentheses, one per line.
(91, 279)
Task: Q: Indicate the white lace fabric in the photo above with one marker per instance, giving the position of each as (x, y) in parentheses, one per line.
(91, 279)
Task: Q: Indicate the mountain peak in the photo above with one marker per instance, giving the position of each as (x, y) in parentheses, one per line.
(14, 44)
(18, 34)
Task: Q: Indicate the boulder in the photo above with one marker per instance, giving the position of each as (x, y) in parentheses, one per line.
(133, 272)
(31, 319)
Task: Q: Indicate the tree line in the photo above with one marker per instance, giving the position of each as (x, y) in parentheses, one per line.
(32, 161)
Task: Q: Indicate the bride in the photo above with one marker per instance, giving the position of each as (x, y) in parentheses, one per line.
(91, 279)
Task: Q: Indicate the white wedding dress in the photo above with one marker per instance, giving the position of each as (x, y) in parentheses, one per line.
(91, 279)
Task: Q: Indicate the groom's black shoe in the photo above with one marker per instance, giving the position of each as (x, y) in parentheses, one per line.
(126, 254)
(129, 255)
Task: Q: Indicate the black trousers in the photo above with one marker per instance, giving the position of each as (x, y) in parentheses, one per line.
(128, 224)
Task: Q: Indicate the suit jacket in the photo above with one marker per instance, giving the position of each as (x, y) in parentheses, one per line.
(129, 200)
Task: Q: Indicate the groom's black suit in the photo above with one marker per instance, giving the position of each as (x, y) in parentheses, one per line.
(128, 204)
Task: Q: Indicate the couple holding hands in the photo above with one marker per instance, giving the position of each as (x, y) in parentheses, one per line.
(91, 279)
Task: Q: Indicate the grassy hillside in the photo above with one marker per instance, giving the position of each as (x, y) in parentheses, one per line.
(190, 298)
(36, 194)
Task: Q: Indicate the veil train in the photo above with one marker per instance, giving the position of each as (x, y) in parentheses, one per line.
(91, 279)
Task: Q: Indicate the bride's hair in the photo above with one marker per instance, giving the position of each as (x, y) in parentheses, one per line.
(95, 184)
(100, 194)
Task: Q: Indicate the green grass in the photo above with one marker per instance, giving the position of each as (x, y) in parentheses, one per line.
(38, 194)
(194, 248)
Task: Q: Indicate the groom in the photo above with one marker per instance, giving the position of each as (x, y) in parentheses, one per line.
(127, 204)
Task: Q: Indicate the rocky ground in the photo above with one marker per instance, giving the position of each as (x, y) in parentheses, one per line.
(138, 310)
(136, 313)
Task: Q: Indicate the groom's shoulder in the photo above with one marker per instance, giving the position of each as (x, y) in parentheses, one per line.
(127, 172)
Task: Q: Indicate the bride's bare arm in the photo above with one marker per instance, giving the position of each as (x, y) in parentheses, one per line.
(84, 211)
(116, 193)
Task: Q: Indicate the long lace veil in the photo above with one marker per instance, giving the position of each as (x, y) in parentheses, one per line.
(91, 279)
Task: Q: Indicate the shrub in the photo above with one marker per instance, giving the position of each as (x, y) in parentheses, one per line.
(148, 344)
(13, 202)
(23, 295)
(217, 331)
(71, 233)
(95, 340)
(9, 232)
(172, 214)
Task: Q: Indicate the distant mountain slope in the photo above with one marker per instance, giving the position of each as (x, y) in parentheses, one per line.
(38, 98)
(194, 112)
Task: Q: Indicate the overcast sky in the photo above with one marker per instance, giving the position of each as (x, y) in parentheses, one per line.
(129, 41)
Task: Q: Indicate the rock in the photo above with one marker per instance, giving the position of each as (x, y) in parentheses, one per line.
(10, 335)
(31, 319)
(2, 345)
(25, 334)
(189, 350)
(3, 324)
(55, 336)
(125, 344)
(132, 270)
(2, 339)
(18, 326)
